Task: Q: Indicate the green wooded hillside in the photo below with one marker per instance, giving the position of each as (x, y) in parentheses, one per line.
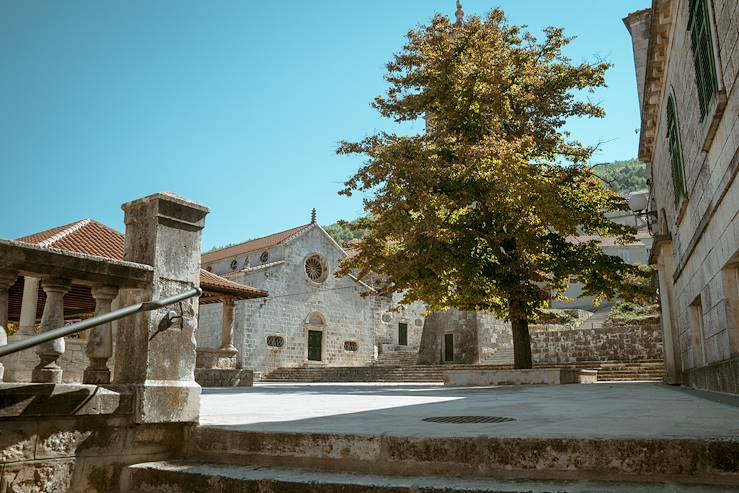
(623, 176)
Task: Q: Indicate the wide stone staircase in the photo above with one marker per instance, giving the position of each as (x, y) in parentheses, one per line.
(223, 460)
(396, 358)
(608, 371)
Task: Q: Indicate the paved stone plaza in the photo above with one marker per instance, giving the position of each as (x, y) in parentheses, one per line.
(623, 410)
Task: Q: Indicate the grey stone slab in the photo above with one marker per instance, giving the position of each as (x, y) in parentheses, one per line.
(181, 477)
(625, 410)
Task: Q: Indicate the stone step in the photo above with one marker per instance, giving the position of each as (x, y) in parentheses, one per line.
(193, 477)
(652, 370)
(484, 457)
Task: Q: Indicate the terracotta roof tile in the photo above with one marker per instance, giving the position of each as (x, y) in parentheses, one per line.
(252, 245)
(213, 282)
(93, 238)
(86, 236)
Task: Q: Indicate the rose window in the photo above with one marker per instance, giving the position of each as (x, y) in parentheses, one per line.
(316, 268)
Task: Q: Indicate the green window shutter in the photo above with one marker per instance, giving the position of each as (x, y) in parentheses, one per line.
(676, 156)
(703, 58)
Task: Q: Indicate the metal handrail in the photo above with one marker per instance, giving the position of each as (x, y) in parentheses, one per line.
(93, 322)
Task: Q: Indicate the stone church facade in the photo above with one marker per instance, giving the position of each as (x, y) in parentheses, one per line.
(311, 317)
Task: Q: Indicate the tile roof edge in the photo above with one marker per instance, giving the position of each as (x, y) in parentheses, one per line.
(71, 229)
(211, 252)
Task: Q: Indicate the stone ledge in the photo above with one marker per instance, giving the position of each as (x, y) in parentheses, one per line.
(217, 377)
(722, 376)
(483, 377)
(43, 399)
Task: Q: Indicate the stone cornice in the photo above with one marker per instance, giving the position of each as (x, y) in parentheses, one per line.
(654, 81)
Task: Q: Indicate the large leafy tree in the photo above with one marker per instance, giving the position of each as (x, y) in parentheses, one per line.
(479, 212)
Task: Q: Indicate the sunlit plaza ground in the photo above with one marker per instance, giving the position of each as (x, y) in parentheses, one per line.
(606, 410)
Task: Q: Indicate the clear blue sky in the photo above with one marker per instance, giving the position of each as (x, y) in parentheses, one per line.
(235, 104)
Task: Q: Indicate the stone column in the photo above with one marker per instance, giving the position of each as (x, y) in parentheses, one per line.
(158, 363)
(100, 343)
(28, 308)
(7, 279)
(227, 327)
(48, 371)
(670, 330)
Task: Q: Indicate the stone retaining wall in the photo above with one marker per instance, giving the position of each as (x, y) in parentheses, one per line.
(478, 336)
(628, 343)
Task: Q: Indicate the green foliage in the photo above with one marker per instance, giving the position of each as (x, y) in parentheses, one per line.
(221, 247)
(559, 317)
(345, 232)
(624, 313)
(623, 176)
(477, 213)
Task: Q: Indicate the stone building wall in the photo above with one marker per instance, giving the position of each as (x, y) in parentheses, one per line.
(628, 343)
(698, 248)
(391, 315)
(464, 327)
(296, 305)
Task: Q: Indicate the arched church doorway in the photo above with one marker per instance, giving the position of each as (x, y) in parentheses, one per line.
(315, 329)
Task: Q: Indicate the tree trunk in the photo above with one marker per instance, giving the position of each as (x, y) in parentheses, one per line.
(521, 340)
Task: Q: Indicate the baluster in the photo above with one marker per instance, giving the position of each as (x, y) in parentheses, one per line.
(7, 279)
(27, 323)
(227, 327)
(100, 343)
(48, 371)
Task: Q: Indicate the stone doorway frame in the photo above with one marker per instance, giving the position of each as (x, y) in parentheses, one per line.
(315, 321)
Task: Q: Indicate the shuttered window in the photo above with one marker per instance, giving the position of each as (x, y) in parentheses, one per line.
(705, 68)
(676, 155)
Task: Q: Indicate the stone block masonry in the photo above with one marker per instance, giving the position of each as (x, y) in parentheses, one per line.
(627, 343)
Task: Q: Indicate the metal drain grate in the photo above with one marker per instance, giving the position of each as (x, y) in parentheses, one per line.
(468, 419)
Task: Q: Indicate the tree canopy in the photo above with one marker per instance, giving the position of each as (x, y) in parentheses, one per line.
(480, 211)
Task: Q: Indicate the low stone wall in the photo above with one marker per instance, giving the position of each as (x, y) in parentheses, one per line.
(75, 438)
(722, 376)
(224, 377)
(627, 343)
(537, 376)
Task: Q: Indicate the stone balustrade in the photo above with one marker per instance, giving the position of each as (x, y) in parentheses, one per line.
(56, 272)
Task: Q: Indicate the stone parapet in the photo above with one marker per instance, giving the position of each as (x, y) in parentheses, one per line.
(550, 376)
(62, 400)
(216, 377)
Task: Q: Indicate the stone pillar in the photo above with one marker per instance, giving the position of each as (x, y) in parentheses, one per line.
(227, 327)
(27, 322)
(7, 279)
(163, 231)
(48, 371)
(100, 343)
(670, 331)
